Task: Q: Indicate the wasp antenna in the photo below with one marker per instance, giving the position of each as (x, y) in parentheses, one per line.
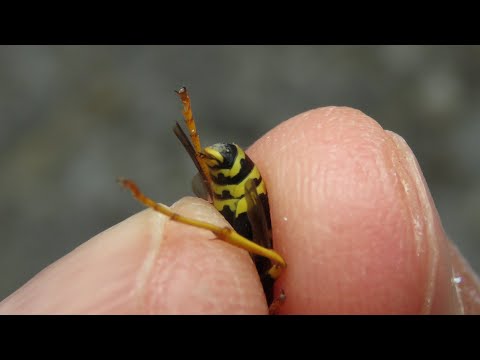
(121, 180)
(182, 90)
(127, 184)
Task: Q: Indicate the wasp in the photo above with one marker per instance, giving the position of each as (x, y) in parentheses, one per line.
(230, 180)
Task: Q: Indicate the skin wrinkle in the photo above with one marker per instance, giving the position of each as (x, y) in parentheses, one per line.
(391, 178)
(388, 159)
(203, 287)
(140, 290)
(436, 230)
(171, 268)
(130, 270)
(418, 204)
(233, 281)
(415, 216)
(236, 281)
(166, 267)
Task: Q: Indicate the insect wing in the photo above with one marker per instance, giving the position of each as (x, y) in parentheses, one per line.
(199, 187)
(206, 192)
(257, 215)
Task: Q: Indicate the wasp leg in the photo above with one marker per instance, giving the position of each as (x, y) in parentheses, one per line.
(192, 129)
(225, 234)
(267, 281)
(275, 305)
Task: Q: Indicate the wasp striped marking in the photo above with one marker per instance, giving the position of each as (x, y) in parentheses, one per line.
(235, 187)
(240, 195)
(230, 169)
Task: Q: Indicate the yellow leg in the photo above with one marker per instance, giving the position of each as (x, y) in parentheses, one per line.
(225, 234)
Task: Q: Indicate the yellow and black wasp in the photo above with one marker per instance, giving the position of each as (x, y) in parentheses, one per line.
(230, 180)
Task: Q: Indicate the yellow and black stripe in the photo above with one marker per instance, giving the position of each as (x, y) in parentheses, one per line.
(230, 171)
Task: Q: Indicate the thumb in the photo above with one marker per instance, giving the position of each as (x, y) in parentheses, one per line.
(147, 264)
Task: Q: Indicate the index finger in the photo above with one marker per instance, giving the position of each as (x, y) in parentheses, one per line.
(353, 218)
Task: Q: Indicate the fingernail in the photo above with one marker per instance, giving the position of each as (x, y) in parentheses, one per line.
(432, 246)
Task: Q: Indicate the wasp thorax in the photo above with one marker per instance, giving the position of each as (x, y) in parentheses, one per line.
(221, 155)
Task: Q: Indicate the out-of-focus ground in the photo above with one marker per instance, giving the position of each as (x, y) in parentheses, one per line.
(73, 118)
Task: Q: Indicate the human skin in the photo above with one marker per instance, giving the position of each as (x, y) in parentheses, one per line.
(351, 214)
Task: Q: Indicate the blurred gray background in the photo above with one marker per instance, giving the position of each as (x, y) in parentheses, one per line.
(73, 118)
